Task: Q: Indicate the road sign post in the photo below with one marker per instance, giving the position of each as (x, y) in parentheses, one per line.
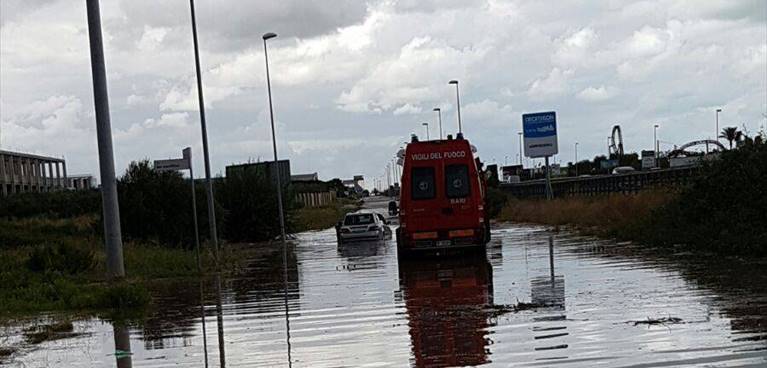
(185, 163)
(540, 135)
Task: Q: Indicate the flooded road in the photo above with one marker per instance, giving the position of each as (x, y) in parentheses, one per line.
(535, 299)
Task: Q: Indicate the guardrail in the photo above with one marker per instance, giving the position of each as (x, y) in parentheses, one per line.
(600, 184)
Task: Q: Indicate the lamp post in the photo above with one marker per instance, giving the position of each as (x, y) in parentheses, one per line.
(204, 129)
(716, 133)
(520, 147)
(427, 130)
(457, 103)
(655, 138)
(506, 160)
(266, 37)
(115, 266)
(439, 115)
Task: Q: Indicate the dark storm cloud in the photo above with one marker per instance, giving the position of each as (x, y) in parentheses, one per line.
(234, 24)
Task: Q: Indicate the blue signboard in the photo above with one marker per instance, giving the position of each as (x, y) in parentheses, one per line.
(540, 133)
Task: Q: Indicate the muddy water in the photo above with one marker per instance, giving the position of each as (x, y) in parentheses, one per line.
(578, 302)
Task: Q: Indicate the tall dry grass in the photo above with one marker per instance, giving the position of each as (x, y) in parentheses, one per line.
(606, 213)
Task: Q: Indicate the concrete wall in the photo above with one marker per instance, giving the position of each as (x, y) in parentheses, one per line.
(22, 173)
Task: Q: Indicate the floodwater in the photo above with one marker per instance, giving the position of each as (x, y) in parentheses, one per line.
(535, 299)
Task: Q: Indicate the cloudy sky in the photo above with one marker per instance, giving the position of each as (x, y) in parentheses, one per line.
(353, 79)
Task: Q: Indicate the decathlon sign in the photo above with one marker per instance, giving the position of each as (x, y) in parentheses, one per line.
(540, 133)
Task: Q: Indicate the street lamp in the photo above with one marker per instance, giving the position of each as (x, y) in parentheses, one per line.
(716, 135)
(439, 114)
(266, 37)
(458, 103)
(520, 147)
(655, 137)
(506, 160)
(427, 130)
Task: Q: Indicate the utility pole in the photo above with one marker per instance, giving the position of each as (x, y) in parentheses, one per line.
(110, 205)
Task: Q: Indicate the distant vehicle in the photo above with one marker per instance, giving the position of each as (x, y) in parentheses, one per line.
(623, 170)
(393, 209)
(362, 226)
(442, 202)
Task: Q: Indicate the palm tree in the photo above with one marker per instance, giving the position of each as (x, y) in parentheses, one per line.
(730, 134)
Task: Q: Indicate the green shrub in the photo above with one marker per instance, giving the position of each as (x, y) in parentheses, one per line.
(66, 258)
(495, 200)
(123, 296)
(60, 204)
(723, 209)
(250, 202)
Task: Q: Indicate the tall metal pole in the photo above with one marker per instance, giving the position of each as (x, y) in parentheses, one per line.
(549, 194)
(458, 103)
(187, 153)
(576, 158)
(520, 147)
(427, 130)
(655, 141)
(203, 127)
(716, 135)
(110, 205)
(439, 115)
(279, 197)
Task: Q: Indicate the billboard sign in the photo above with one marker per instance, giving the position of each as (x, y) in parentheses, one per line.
(540, 134)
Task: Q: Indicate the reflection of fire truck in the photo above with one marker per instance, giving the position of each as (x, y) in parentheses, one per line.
(446, 305)
(443, 197)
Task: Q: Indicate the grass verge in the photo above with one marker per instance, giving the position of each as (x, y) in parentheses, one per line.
(320, 218)
(605, 215)
(58, 264)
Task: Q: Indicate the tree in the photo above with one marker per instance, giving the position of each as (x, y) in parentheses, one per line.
(731, 134)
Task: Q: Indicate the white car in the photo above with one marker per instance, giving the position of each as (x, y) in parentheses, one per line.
(362, 226)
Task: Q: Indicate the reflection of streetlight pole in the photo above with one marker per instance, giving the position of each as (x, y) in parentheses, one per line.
(520, 148)
(576, 158)
(655, 138)
(427, 130)
(458, 103)
(439, 114)
(266, 37)
(716, 135)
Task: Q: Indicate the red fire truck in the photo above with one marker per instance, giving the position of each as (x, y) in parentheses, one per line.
(442, 198)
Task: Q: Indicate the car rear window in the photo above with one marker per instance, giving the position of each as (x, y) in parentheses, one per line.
(360, 219)
(457, 181)
(422, 186)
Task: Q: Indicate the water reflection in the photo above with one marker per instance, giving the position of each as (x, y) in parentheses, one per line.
(361, 249)
(123, 352)
(446, 302)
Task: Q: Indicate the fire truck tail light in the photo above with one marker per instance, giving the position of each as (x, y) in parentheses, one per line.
(460, 233)
(427, 235)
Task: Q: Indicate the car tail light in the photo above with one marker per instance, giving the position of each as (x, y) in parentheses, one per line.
(460, 233)
(428, 235)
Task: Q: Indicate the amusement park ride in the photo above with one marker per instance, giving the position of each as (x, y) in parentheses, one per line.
(615, 145)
